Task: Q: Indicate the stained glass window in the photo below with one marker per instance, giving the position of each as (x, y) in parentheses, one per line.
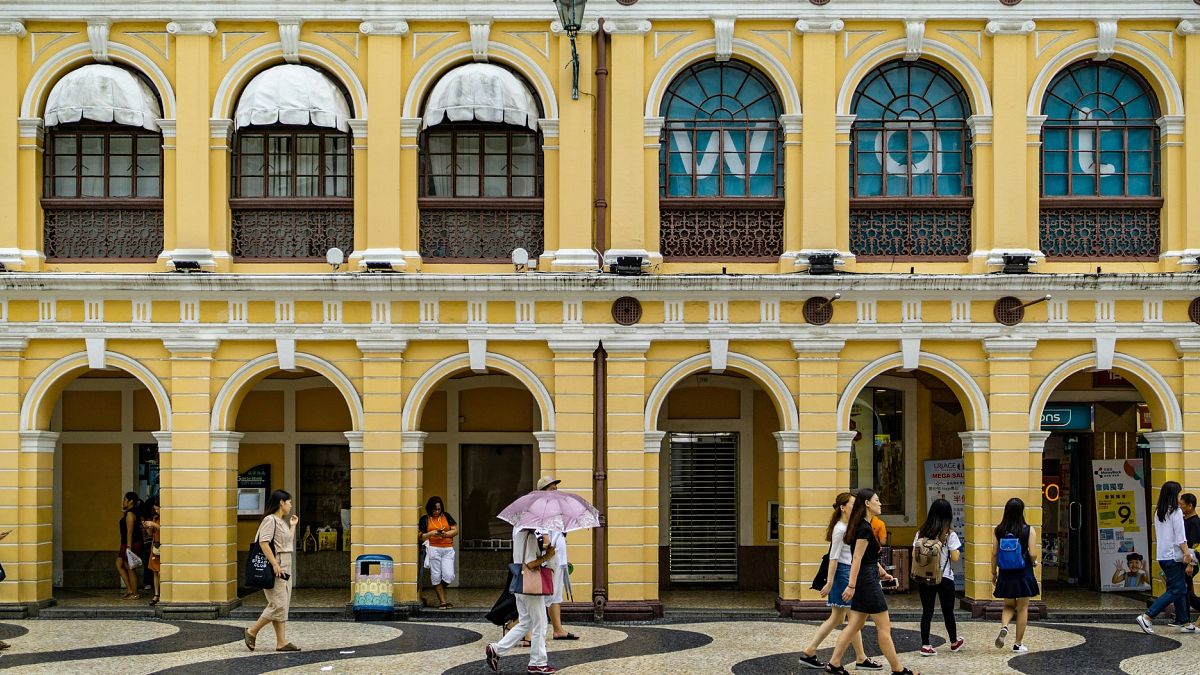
(1100, 137)
(909, 137)
(721, 136)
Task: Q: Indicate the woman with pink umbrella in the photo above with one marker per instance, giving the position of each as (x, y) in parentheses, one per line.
(539, 510)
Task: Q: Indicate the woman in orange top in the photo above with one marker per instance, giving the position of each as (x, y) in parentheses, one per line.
(438, 531)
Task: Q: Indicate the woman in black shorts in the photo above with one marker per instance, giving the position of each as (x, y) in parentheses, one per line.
(865, 594)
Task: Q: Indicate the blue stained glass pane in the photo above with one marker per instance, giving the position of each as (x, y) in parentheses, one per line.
(1141, 139)
(868, 110)
(1112, 162)
(1057, 110)
(710, 81)
(950, 186)
(1112, 139)
(1083, 185)
(867, 140)
(949, 162)
(1112, 185)
(922, 185)
(1056, 186)
(762, 186)
(949, 140)
(708, 186)
(1055, 139)
(1140, 186)
(735, 186)
(869, 186)
(897, 186)
(1141, 162)
(1055, 162)
(680, 186)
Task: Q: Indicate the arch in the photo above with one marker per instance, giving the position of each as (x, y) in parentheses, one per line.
(1164, 406)
(441, 63)
(756, 370)
(938, 52)
(230, 396)
(414, 402)
(960, 382)
(35, 413)
(240, 74)
(753, 54)
(68, 59)
(1156, 71)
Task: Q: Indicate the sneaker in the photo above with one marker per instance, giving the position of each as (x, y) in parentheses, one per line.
(1000, 638)
(1146, 624)
(810, 661)
(1020, 649)
(1172, 623)
(493, 659)
(868, 664)
(1189, 628)
(957, 644)
(928, 651)
(541, 669)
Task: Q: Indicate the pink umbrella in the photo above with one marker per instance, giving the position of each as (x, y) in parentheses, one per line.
(551, 510)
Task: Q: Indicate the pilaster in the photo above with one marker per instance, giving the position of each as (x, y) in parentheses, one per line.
(1015, 162)
(1189, 401)
(1189, 35)
(977, 514)
(24, 250)
(628, 184)
(818, 45)
(633, 495)
(10, 108)
(194, 218)
(573, 459)
(576, 157)
(30, 472)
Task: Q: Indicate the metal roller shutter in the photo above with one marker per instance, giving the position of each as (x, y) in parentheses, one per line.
(703, 525)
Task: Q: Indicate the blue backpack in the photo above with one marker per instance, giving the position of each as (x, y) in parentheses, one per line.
(1010, 555)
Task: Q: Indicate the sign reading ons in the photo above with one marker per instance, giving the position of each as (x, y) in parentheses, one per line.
(1067, 417)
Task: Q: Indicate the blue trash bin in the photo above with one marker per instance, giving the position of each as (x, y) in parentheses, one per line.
(373, 597)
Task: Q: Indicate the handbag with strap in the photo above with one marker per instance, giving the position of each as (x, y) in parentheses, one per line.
(258, 568)
(525, 581)
(822, 576)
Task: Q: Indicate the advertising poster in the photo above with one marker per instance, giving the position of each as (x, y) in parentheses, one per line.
(945, 479)
(1121, 520)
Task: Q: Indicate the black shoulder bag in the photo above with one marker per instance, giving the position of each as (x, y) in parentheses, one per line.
(258, 568)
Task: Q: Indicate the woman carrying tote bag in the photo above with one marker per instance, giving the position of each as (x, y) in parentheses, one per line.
(531, 609)
(278, 532)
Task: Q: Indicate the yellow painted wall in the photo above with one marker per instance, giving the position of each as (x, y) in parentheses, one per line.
(251, 455)
(91, 410)
(766, 464)
(704, 403)
(321, 409)
(145, 413)
(91, 497)
(261, 411)
(496, 409)
(435, 481)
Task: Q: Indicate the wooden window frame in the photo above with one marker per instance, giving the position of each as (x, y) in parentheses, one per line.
(454, 200)
(293, 132)
(50, 199)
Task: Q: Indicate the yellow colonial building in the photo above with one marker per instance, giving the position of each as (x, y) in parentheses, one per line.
(770, 251)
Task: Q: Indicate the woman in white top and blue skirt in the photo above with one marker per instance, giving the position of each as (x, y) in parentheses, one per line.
(1173, 555)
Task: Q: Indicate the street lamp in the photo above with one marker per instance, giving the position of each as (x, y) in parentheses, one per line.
(570, 14)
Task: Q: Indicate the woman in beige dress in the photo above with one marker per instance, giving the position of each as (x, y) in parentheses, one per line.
(279, 528)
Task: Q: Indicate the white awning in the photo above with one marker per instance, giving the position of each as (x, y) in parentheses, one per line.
(481, 92)
(103, 94)
(292, 94)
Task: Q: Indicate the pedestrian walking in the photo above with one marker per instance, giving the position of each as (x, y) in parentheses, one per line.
(840, 560)
(562, 578)
(438, 530)
(935, 546)
(1174, 556)
(129, 556)
(278, 528)
(864, 592)
(1013, 561)
(154, 531)
(1191, 530)
(531, 552)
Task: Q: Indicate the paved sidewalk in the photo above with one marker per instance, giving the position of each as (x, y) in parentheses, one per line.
(750, 647)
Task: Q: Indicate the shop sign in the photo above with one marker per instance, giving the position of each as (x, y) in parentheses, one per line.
(1145, 422)
(946, 479)
(1121, 523)
(1067, 417)
(1110, 380)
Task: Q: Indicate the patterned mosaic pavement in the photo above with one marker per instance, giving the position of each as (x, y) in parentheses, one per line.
(748, 647)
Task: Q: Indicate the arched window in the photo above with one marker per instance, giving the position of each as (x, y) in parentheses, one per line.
(102, 191)
(721, 165)
(292, 193)
(481, 168)
(910, 164)
(1100, 165)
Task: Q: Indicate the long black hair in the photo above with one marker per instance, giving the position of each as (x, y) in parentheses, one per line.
(1013, 521)
(1168, 500)
(837, 513)
(273, 502)
(434, 500)
(938, 522)
(136, 500)
(858, 513)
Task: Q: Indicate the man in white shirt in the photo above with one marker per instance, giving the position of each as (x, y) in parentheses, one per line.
(562, 579)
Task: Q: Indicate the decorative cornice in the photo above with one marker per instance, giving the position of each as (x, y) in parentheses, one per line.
(819, 26)
(626, 347)
(1188, 27)
(1106, 38)
(546, 441)
(191, 345)
(1189, 345)
(652, 126)
(16, 28)
(549, 127)
(818, 346)
(381, 345)
(1009, 345)
(1033, 124)
(206, 27)
(575, 346)
(980, 125)
(792, 124)
(914, 38)
(395, 27)
(1170, 125)
(412, 441)
(358, 128)
(975, 441)
(787, 441)
(627, 26)
(481, 32)
(588, 27)
(652, 441)
(723, 32)
(289, 39)
(219, 128)
(39, 441)
(164, 439)
(97, 33)
(1010, 27)
(13, 344)
(31, 127)
(167, 126)
(843, 123)
(224, 441)
(410, 127)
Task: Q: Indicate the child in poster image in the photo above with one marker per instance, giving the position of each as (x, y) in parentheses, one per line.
(1135, 576)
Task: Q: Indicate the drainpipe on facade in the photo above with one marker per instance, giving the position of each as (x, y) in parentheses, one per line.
(600, 482)
(601, 140)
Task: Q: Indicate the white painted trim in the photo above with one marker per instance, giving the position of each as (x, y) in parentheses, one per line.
(432, 378)
(930, 362)
(908, 386)
(1135, 366)
(240, 73)
(944, 54)
(34, 397)
(776, 70)
(1160, 70)
(441, 63)
(68, 59)
(766, 378)
(221, 411)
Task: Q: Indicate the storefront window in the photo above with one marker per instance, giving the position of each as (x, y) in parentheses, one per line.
(878, 457)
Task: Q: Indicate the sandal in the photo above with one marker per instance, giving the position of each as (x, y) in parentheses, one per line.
(131, 596)
(154, 601)
(446, 605)
(526, 644)
(906, 671)
(836, 670)
(289, 647)
(249, 639)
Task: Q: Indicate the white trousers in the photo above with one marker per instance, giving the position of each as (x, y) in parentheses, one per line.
(441, 565)
(531, 619)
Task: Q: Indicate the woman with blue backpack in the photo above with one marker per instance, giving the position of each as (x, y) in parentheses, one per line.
(1012, 571)
(1173, 555)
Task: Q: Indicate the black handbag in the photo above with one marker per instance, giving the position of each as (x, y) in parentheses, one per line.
(822, 576)
(258, 569)
(3, 576)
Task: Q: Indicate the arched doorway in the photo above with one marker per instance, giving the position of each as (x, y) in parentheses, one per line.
(481, 452)
(293, 427)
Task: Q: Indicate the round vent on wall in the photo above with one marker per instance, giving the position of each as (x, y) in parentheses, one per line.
(1009, 311)
(627, 311)
(1194, 310)
(1014, 3)
(818, 3)
(818, 311)
(626, 2)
